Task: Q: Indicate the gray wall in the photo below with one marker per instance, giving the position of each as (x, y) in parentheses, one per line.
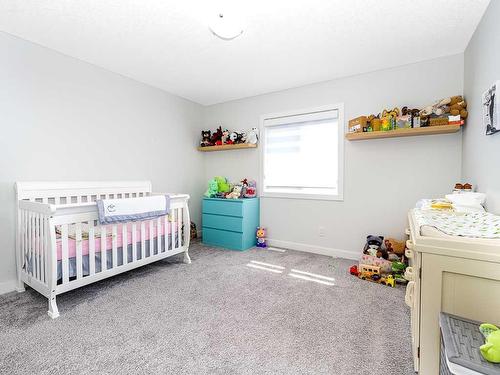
(383, 178)
(481, 153)
(63, 119)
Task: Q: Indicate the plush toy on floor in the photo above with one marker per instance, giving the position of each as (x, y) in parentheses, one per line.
(374, 247)
(261, 237)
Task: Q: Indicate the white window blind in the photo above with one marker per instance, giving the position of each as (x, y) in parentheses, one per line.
(301, 155)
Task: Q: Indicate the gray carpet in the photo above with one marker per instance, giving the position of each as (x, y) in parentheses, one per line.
(215, 316)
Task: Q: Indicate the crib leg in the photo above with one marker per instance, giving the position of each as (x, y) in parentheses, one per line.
(20, 286)
(187, 259)
(53, 311)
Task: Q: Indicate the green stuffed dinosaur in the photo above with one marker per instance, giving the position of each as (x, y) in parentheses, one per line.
(491, 348)
(213, 188)
(223, 185)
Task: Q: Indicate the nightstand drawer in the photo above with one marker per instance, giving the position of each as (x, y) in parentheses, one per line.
(216, 237)
(223, 207)
(231, 223)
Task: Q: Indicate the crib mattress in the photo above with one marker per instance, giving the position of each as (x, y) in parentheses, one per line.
(109, 238)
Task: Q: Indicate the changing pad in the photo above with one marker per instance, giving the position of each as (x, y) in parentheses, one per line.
(471, 225)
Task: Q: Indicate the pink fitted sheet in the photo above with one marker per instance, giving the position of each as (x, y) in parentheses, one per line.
(119, 238)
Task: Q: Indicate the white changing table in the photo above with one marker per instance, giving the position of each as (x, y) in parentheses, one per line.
(456, 275)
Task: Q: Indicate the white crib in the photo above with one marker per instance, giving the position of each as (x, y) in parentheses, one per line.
(61, 245)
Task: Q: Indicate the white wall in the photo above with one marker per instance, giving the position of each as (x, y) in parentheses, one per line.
(63, 119)
(383, 178)
(481, 153)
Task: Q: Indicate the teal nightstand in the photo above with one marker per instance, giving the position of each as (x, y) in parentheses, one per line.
(230, 223)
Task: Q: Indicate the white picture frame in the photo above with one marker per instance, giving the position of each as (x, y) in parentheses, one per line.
(491, 109)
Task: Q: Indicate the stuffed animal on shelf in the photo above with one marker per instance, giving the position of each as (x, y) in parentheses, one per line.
(491, 348)
(373, 247)
(205, 138)
(213, 188)
(233, 137)
(261, 237)
(236, 193)
(251, 189)
(225, 137)
(252, 136)
(217, 137)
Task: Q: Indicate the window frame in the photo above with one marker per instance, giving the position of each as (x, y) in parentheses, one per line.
(341, 131)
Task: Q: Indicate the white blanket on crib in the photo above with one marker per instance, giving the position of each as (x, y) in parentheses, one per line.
(132, 209)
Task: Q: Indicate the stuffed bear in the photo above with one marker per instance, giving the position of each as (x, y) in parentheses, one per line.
(395, 246)
(373, 247)
(225, 137)
(458, 106)
(205, 138)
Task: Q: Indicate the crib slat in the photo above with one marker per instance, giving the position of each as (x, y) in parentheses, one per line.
(36, 245)
(125, 243)
(64, 255)
(46, 249)
(179, 227)
(104, 253)
(30, 241)
(57, 200)
(25, 239)
(172, 229)
(114, 245)
(41, 248)
(143, 240)
(151, 238)
(165, 230)
(79, 255)
(91, 249)
(158, 234)
(134, 242)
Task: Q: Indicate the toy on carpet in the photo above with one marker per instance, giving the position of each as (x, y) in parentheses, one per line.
(213, 188)
(236, 193)
(374, 274)
(398, 270)
(193, 232)
(374, 247)
(354, 270)
(205, 138)
(491, 348)
(261, 237)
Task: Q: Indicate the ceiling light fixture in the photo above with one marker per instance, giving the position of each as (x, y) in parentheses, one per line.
(226, 26)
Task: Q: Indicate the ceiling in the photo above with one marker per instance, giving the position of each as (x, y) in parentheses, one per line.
(285, 44)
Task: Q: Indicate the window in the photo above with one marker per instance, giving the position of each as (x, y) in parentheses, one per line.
(302, 154)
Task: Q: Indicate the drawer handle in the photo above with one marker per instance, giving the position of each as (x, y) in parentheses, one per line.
(409, 254)
(410, 288)
(409, 275)
(407, 231)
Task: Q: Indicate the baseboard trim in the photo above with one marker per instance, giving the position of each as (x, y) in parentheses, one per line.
(7, 286)
(338, 253)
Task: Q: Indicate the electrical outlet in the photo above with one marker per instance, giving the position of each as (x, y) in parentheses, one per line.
(321, 231)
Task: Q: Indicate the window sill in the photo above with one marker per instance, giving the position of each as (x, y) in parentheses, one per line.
(319, 197)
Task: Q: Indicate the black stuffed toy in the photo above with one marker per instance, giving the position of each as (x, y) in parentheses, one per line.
(205, 138)
(374, 247)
